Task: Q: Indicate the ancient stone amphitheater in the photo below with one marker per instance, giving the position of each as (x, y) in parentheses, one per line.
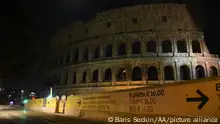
(130, 47)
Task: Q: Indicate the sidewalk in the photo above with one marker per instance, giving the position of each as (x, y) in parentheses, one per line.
(56, 118)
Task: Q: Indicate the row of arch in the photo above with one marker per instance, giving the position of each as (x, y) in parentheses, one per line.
(135, 49)
(136, 74)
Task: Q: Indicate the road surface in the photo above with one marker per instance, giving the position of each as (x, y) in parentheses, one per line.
(17, 115)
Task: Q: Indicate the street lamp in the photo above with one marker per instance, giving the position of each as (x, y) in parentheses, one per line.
(22, 92)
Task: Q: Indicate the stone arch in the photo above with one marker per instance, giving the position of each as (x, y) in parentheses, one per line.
(166, 46)
(108, 50)
(74, 78)
(185, 72)
(76, 55)
(200, 72)
(108, 75)
(168, 72)
(152, 73)
(121, 74)
(84, 75)
(196, 47)
(67, 57)
(95, 77)
(213, 71)
(86, 54)
(151, 47)
(96, 53)
(181, 46)
(61, 59)
(122, 49)
(136, 74)
(136, 47)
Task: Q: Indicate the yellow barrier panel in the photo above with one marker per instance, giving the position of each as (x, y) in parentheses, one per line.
(197, 99)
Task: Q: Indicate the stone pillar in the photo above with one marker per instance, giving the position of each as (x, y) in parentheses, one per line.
(128, 74)
(159, 46)
(113, 75)
(90, 53)
(175, 49)
(144, 70)
(143, 47)
(161, 73)
(129, 48)
(100, 75)
(89, 76)
(177, 71)
(114, 50)
(218, 68)
(207, 73)
(189, 44)
(193, 70)
(102, 47)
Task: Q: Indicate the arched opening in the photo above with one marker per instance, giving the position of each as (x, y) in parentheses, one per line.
(76, 55)
(86, 54)
(200, 72)
(136, 47)
(108, 75)
(166, 46)
(213, 71)
(181, 46)
(61, 59)
(122, 49)
(196, 48)
(84, 77)
(108, 50)
(151, 47)
(68, 57)
(66, 78)
(56, 61)
(184, 72)
(152, 73)
(74, 77)
(96, 53)
(136, 74)
(168, 73)
(95, 77)
(121, 75)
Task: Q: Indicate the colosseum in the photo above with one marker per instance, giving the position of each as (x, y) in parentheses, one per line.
(130, 47)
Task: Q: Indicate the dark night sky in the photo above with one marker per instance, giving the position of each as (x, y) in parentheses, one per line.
(26, 26)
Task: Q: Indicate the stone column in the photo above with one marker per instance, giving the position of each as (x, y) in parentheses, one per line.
(143, 47)
(177, 71)
(89, 76)
(193, 71)
(129, 48)
(218, 68)
(113, 75)
(90, 53)
(207, 74)
(128, 73)
(189, 44)
(175, 49)
(100, 75)
(161, 80)
(102, 51)
(114, 50)
(144, 70)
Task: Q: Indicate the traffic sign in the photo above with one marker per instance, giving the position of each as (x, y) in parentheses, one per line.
(203, 99)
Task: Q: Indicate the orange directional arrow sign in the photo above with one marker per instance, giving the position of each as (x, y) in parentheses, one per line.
(203, 99)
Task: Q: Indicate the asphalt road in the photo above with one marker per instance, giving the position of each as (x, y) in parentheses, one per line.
(17, 115)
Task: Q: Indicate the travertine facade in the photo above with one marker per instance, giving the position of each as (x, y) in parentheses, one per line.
(130, 47)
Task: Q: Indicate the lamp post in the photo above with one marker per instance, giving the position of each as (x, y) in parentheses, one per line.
(22, 93)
